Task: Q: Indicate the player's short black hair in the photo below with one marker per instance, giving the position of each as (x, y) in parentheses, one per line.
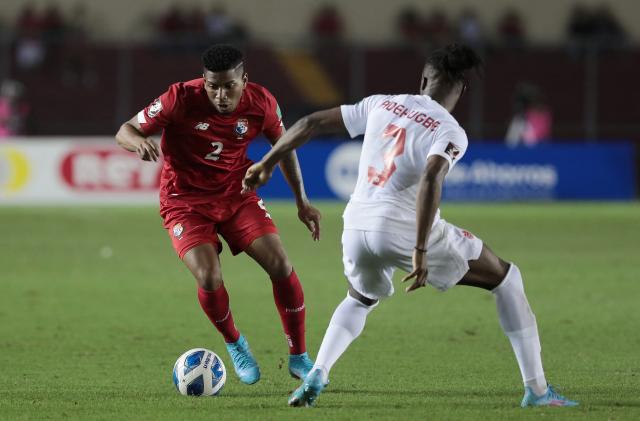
(221, 57)
(453, 62)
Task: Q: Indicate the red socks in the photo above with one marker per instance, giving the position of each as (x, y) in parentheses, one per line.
(289, 299)
(216, 306)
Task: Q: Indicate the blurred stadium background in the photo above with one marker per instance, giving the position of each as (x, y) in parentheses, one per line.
(556, 118)
(559, 91)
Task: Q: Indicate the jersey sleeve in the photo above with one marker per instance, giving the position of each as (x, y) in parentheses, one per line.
(355, 116)
(162, 111)
(451, 144)
(272, 126)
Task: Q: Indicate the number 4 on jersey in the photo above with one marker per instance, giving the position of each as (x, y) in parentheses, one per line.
(399, 135)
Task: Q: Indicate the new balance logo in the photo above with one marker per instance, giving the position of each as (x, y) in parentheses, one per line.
(202, 126)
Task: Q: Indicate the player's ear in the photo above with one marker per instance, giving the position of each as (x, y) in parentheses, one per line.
(245, 78)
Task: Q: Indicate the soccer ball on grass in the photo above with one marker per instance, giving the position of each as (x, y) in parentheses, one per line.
(199, 372)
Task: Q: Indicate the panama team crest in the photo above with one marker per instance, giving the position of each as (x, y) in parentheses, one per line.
(242, 127)
(177, 230)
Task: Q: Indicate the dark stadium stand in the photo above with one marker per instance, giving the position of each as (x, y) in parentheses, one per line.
(133, 76)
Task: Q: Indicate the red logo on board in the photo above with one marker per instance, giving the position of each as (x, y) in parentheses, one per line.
(108, 169)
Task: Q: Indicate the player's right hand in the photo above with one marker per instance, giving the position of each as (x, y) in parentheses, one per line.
(147, 150)
(310, 217)
(420, 271)
(257, 175)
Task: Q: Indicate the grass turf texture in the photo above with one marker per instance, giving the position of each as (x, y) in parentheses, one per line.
(95, 308)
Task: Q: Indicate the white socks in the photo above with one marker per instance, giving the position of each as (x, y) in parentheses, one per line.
(519, 324)
(516, 318)
(346, 324)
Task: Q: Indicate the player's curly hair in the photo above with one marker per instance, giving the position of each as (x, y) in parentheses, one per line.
(453, 62)
(221, 57)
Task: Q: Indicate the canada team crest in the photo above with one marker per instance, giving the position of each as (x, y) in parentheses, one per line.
(242, 127)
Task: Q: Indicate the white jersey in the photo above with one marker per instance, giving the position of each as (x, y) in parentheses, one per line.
(400, 133)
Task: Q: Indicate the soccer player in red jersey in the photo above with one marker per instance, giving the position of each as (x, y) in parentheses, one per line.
(207, 124)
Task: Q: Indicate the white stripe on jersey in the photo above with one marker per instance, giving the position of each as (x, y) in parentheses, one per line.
(141, 119)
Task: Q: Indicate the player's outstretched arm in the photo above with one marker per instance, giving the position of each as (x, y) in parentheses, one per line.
(427, 204)
(130, 138)
(309, 215)
(316, 124)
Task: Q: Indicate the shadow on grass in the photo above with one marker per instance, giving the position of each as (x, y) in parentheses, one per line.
(439, 393)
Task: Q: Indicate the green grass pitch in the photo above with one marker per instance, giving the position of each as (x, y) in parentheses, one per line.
(95, 308)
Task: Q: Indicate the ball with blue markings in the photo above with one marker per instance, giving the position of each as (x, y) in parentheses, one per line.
(199, 372)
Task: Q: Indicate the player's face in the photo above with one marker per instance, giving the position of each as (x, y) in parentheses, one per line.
(224, 89)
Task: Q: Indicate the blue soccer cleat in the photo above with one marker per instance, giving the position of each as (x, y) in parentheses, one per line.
(309, 390)
(244, 364)
(551, 398)
(300, 365)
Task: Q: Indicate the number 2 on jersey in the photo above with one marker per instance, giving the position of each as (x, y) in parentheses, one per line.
(217, 150)
(399, 135)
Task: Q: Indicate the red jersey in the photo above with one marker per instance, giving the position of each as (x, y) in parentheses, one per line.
(205, 152)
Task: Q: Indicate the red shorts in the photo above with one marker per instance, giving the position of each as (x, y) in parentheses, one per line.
(239, 223)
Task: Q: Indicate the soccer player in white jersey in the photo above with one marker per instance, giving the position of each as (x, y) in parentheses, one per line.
(392, 221)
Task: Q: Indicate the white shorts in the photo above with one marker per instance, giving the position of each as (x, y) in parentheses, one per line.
(370, 257)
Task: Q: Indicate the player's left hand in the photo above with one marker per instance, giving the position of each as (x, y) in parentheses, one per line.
(310, 216)
(420, 271)
(257, 175)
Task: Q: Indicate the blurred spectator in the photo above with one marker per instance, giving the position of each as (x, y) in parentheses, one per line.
(29, 24)
(470, 30)
(171, 24)
(327, 25)
(511, 31)
(77, 24)
(76, 63)
(195, 26)
(220, 27)
(531, 122)
(597, 28)
(13, 109)
(52, 24)
(438, 29)
(581, 28)
(30, 50)
(30, 53)
(608, 31)
(410, 26)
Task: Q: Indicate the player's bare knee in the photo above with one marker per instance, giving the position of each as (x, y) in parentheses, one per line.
(492, 266)
(208, 278)
(504, 268)
(279, 267)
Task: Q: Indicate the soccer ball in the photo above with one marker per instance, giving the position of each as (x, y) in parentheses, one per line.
(199, 372)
